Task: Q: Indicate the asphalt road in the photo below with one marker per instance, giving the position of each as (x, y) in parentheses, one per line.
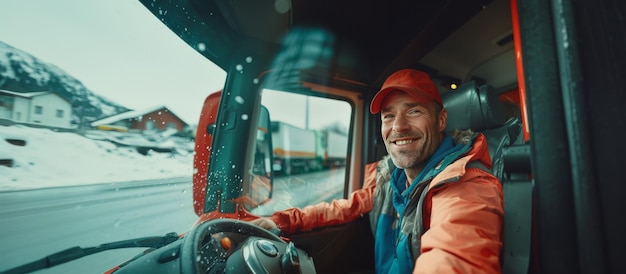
(37, 223)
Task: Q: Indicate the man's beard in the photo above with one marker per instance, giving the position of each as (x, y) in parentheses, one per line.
(408, 158)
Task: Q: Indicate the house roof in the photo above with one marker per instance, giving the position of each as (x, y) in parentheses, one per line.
(31, 94)
(133, 114)
(25, 94)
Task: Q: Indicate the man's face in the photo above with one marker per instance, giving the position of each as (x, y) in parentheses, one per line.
(411, 129)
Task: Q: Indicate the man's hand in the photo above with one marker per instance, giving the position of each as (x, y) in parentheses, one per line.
(266, 223)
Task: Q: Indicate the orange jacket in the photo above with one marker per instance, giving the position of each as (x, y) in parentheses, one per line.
(462, 213)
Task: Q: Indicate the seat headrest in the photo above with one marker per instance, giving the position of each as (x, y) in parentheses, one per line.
(473, 107)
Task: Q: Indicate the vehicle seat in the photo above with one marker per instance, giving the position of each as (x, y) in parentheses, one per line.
(473, 107)
(478, 108)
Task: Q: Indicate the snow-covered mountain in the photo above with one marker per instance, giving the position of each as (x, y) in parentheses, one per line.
(22, 72)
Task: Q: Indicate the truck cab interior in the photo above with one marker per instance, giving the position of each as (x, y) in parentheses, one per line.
(539, 78)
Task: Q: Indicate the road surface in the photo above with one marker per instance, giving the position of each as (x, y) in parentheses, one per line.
(37, 223)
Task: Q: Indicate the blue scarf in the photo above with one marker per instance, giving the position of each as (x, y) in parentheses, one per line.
(392, 249)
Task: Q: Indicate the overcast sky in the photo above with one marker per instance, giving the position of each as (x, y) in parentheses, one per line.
(116, 48)
(119, 50)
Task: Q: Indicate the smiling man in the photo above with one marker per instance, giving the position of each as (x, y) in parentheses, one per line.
(437, 209)
(458, 227)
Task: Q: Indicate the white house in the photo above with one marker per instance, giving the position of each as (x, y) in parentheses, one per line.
(41, 108)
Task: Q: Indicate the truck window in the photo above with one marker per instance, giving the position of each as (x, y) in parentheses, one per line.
(309, 136)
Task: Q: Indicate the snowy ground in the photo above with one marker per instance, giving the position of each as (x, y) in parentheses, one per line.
(51, 159)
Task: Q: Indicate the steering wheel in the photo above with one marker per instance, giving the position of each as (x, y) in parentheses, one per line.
(260, 252)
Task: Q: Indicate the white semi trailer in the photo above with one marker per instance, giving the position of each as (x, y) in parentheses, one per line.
(297, 149)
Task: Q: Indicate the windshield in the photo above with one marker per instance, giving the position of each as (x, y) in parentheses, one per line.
(99, 103)
(99, 111)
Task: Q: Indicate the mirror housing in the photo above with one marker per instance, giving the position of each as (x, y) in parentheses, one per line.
(202, 150)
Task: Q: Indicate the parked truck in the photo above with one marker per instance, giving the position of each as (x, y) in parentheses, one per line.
(301, 150)
(332, 148)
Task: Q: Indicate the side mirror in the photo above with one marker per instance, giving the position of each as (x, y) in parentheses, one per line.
(259, 189)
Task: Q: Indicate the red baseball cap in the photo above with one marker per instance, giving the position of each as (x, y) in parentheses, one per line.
(414, 82)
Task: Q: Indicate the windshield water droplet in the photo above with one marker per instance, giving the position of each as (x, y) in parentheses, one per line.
(239, 99)
(244, 117)
(249, 59)
(239, 67)
(201, 47)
